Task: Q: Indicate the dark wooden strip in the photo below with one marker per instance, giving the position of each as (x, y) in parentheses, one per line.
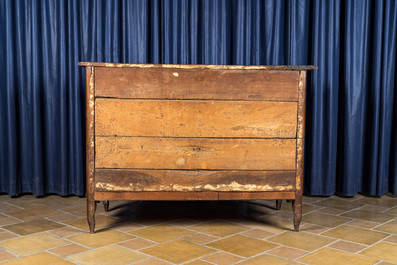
(195, 153)
(195, 118)
(181, 83)
(192, 196)
(300, 146)
(204, 66)
(90, 144)
(178, 180)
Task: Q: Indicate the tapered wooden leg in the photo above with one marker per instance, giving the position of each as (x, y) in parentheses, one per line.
(297, 208)
(278, 204)
(91, 207)
(106, 206)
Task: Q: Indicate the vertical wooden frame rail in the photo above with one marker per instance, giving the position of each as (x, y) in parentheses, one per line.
(90, 147)
(136, 112)
(300, 146)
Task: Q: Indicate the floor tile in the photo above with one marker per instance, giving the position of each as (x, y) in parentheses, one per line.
(307, 208)
(127, 226)
(100, 239)
(334, 202)
(100, 222)
(383, 250)
(14, 200)
(307, 199)
(82, 211)
(32, 243)
(32, 227)
(325, 219)
(152, 261)
(182, 222)
(385, 263)
(268, 259)
(332, 211)
(51, 201)
(284, 214)
(69, 250)
(66, 231)
(33, 213)
(222, 258)
(302, 240)
(258, 233)
(200, 238)
(347, 246)
(355, 234)
(271, 224)
(111, 255)
(363, 224)
(392, 239)
(145, 218)
(369, 216)
(374, 208)
(6, 220)
(6, 235)
(62, 217)
(390, 227)
(392, 211)
(259, 220)
(315, 229)
(5, 255)
(327, 256)
(38, 258)
(219, 228)
(6, 207)
(137, 243)
(178, 251)
(287, 252)
(197, 262)
(161, 233)
(384, 201)
(242, 245)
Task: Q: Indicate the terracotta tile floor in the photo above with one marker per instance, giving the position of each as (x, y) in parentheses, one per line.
(53, 230)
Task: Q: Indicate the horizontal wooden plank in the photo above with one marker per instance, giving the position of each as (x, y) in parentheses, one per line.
(193, 196)
(195, 118)
(195, 153)
(179, 180)
(204, 66)
(182, 83)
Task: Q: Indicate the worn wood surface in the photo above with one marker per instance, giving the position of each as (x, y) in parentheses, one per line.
(195, 132)
(300, 145)
(195, 153)
(195, 118)
(90, 145)
(204, 66)
(179, 180)
(183, 83)
(189, 196)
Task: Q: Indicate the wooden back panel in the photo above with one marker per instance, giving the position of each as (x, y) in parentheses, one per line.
(200, 129)
(195, 118)
(181, 83)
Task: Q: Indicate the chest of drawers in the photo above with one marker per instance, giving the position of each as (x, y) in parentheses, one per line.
(194, 132)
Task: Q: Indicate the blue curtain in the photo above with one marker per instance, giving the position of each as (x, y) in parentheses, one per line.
(351, 131)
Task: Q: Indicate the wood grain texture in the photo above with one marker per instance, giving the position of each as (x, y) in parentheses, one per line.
(300, 145)
(181, 83)
(195, 118)
(204, 66)
(192, 196)
(179, 180)
(195, 153)
(90, 145)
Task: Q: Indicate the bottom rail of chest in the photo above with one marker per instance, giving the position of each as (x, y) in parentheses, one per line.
(106, 196)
